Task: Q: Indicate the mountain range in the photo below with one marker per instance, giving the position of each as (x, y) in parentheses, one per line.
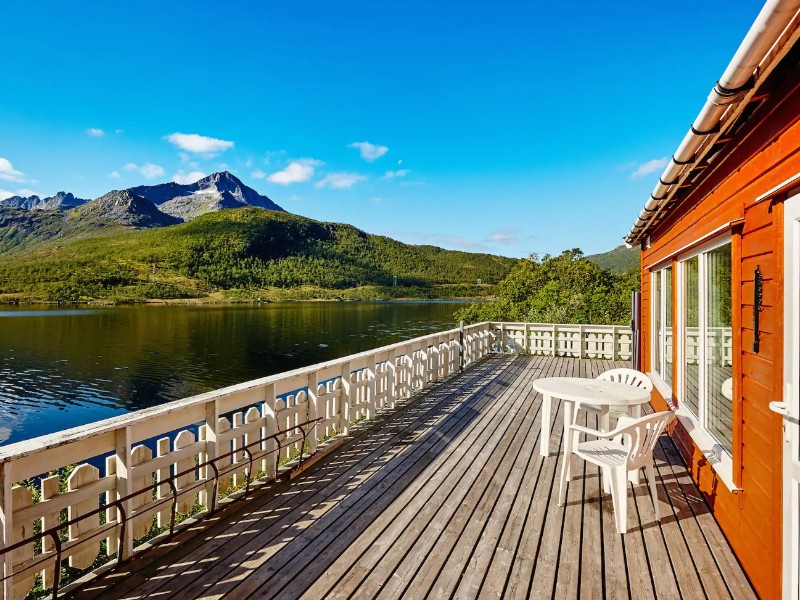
(29, 221)
(152, 205)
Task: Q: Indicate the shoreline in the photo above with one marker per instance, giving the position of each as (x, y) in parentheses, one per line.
(213, 302)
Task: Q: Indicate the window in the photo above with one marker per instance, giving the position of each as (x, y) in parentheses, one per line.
(719, 345)
(662, 324)
(707, 341)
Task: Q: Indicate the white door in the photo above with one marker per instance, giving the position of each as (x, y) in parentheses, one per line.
(790, 407)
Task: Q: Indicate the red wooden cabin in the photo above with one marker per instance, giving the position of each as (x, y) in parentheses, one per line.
(720, 240)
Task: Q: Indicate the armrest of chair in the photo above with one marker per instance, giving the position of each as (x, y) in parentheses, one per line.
(590, 431)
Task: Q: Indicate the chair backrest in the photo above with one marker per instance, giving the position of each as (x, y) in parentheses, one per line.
(639, 436)
(628, 377)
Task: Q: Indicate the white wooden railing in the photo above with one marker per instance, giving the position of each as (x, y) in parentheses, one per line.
(719, 346)
(612, 342)
(198, 448)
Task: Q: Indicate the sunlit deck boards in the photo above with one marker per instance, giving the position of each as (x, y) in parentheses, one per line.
(448, 498)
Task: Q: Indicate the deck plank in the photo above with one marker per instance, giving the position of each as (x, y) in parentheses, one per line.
(446, 496)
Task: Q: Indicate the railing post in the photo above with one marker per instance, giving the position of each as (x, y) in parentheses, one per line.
(525, 342)
(210, 433)
(411, 367)
(313, 388)
(423, 363)
(6, 510)
(614, 343)
(555, 340)
(392, 380)
(580, 341)
(461, 346)
(344, 423)
(270, 428)
(370, 389)
(435, 348)
(124, 487)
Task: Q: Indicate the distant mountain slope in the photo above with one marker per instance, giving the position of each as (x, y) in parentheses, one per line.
(618, 260)
(20, 228)
(245, 248)
(61, 201)
(216, 192)
(117, 211)
(121, 207)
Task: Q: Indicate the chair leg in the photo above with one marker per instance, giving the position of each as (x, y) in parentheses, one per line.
(651, 478)
(606, 480)
(619, 498)
(562, 485)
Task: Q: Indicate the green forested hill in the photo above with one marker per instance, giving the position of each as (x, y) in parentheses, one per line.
(618, 260)
(247, 250)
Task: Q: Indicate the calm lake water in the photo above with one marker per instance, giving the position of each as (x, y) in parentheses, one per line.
(63, 368)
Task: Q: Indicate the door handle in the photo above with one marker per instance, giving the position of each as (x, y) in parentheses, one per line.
(779, 407)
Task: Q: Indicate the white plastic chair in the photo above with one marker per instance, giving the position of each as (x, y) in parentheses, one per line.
(622, 375)
(627, 448)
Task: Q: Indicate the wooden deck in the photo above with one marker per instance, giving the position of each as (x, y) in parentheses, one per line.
(447, 497)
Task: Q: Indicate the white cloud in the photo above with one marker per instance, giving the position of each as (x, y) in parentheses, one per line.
(26, 192)
(339, 181)
(650, 166)
(296, 171)
(187, 178)
(94, 132)
(119, 131)
(369, 151)
(9, 173)
(504, 236)
(258, 174)
(199, 144)
(115, 175)
(6, 194)
(398, 173)
(147, 170)
(249, 162)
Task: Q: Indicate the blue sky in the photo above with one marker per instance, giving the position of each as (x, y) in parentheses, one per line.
(506, 127)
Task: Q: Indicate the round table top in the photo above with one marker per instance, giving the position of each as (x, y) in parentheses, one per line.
(591, 391)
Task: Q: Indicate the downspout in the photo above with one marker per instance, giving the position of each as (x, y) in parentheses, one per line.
(738, 77)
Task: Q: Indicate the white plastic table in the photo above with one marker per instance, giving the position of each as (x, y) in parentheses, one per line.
(598, 392)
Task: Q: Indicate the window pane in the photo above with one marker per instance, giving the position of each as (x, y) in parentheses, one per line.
(668, 326)
(719, 346)
(656, 362)
(691, 321)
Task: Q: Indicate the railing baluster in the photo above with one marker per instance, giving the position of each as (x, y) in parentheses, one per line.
(207, 496)
(313, 413)
(344, 422)
(270, 427)
(371, 408)
(124, 488)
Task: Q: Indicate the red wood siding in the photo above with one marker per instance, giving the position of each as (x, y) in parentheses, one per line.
(769, 155)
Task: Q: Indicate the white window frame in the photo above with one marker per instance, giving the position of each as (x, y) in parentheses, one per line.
(657, 371)
(718, 457)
